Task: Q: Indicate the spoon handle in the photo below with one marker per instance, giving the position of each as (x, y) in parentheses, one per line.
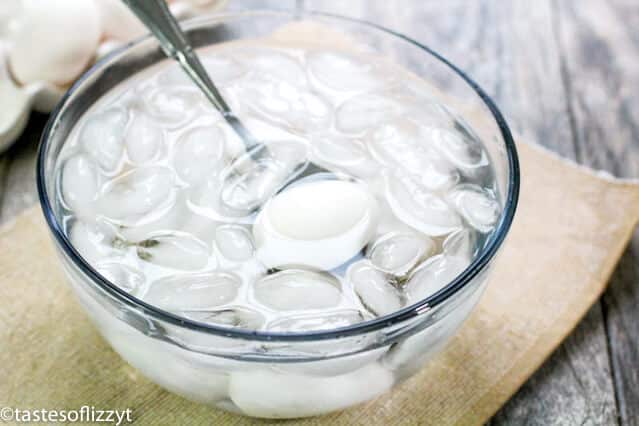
(156, 16)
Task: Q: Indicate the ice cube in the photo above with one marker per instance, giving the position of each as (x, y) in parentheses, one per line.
(80, 180)
(404, 144)
(172, 218)
(144, 140)
(477, 205)
(433, 275)
(244, 191)
(221, 68)
(124, 276)
(325, 321)
(178, 250)
(288, 154)
(138, 195)
(233, 316)
(362, 113)
(194, 222)
(234, 242)
(286, 104)
(422, 104)
(320, 224)
(94, 241)
(102, 137)
(460, 243)
(419, 208)
(388, 222)
(298, 290)
(373, 289)
(460, 148)
(254, 177)
(172, 107)
(193, 292)
(273, 65)
(344, 154)
(268, 394)
(199, 153)
(345, 72)
(397, 253)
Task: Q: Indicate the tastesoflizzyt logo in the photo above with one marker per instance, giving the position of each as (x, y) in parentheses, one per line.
(85, 414)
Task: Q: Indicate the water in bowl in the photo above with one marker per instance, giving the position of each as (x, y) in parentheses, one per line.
(151, 194)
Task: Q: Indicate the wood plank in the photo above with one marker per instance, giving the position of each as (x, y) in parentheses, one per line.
(510, 49)
(600, 48)
(20, 186)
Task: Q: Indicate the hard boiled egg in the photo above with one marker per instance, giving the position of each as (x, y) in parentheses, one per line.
(319, 224)
(55, 41)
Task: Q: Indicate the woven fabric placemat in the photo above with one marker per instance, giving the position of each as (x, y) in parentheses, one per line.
(571, 228)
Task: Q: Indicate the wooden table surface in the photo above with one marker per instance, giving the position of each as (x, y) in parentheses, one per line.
(566, 74)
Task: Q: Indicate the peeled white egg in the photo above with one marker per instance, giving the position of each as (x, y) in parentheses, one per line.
(55, 41)
(320, 224)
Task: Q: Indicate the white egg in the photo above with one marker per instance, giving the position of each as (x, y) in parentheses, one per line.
(117, 21)
(274, 395)
(55, 41)
(319, 224)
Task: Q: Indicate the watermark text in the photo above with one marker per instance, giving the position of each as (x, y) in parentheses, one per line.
(85, 414)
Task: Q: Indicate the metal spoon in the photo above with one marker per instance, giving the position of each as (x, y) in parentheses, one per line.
(155, 15)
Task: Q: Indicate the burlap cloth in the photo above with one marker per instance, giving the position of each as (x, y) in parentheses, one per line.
(570, 229)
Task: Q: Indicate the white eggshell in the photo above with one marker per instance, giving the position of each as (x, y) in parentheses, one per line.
(274, 395)
(320, 224)
(117, 21)
(55, 41)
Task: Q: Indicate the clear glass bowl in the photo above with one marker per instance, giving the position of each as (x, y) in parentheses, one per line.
(268, 374)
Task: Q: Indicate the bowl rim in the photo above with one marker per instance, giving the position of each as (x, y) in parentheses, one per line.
(403, 315)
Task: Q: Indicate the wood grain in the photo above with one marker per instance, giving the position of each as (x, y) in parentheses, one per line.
(19, 184)
(511, 49)
(600, 50)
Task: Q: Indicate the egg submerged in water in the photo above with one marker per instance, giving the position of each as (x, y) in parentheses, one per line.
(318, 224)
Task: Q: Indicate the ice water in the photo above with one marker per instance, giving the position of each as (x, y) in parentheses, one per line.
(154, 194)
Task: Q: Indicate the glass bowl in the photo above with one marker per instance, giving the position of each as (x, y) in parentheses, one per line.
(275, 374)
